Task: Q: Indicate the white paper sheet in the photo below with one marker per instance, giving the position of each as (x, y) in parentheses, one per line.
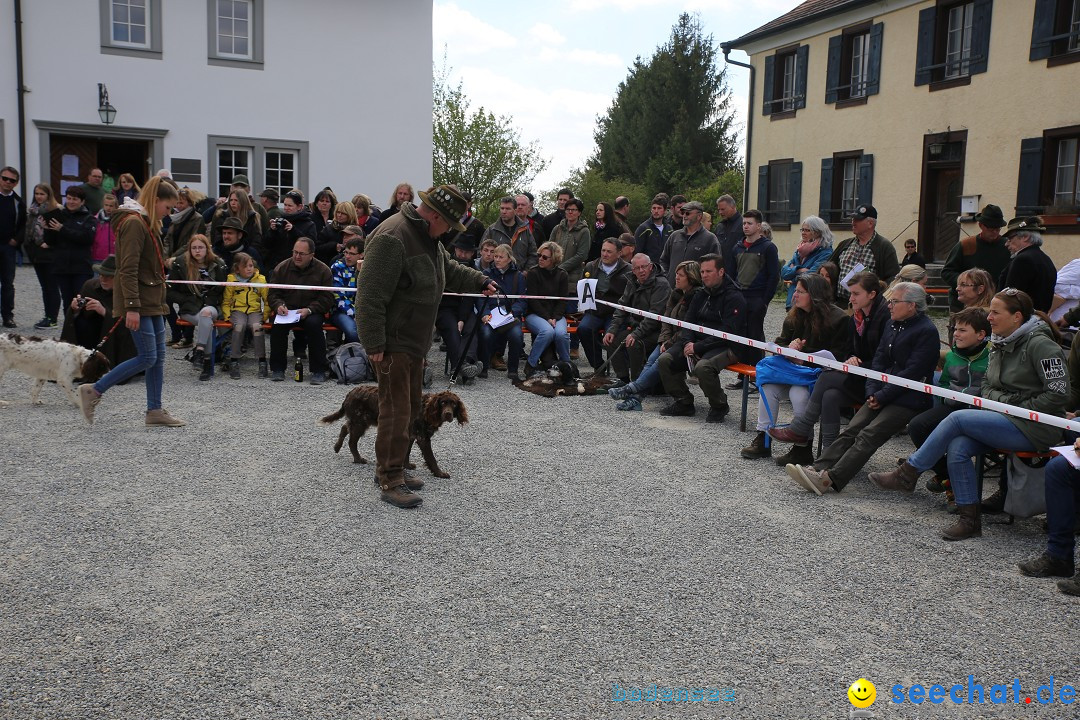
(1069, 453)
(859, 267)
(293, 316)
(69, 165)
(500, 317)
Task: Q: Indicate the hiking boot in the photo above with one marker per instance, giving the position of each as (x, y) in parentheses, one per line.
(809, 478)
(995, 503)
(45, 322)
(513, 377)
(207, 370)
(631, 403)
(968, 523)
(88, 400)
(902, 479)
(264, 370)
(1047, 565)
(716, 415)
(234, 370)
(317, 378)
(10, 323)
(413, 482)
(1070, 586)
(198, 355)
(937, 484)
(787, 435)
(679, 409)
(162, 418)
(400, 495)
(277, 376)
(497, 363)
(757, 448)
(797, 455)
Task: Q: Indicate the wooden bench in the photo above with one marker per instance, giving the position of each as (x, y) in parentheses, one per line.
(226, 325)
(749, 375)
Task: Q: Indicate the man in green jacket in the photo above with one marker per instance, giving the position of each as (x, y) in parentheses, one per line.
(400, 285)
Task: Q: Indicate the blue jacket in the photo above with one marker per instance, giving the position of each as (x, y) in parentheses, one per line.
(797, 266)
(757, 268)
(511, 282)
(908, 348)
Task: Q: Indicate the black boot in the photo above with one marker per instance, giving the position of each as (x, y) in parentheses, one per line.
(205, 374)
(797, 455)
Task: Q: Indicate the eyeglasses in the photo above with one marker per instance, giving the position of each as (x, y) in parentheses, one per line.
(1011, 291)
(9, 179)
(894, 302)
(544, 257)
(350, 252)
(301, 254)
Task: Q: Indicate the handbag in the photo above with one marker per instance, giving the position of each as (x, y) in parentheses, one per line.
(1026, 496)
(778, 370)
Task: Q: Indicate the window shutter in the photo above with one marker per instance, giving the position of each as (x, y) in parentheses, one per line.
(873, 83)
(866, 179)
(825, 194)
(794, 193)
(924, 51)
(1042, 29)
(1027, 185)
(767, 91)
(832, 72)
(802, 62)
(763, 189)
(980, 35)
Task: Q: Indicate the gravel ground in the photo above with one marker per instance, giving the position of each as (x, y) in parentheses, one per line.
(238, 568)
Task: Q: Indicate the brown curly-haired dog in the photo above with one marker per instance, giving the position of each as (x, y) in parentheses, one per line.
(361, 411)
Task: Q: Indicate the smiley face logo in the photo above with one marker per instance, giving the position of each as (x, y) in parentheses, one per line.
(862, 693)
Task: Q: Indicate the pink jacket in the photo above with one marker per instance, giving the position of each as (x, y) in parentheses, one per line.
(104, 240)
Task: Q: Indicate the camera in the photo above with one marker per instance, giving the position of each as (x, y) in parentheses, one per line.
(278, 223)
(80, 302)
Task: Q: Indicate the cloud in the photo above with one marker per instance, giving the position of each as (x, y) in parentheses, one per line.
(468, 34)
(578, 56)
(547, 33)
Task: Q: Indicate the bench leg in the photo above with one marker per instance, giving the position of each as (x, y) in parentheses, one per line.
(745, 400)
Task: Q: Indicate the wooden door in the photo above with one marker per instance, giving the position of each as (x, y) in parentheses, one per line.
(70, 161)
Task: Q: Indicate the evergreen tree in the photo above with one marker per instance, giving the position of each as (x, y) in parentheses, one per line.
(670, 126)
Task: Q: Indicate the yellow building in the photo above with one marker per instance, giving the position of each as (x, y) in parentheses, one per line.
(928, 109)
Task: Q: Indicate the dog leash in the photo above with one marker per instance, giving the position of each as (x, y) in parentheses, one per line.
(108, 334)
(500, 296)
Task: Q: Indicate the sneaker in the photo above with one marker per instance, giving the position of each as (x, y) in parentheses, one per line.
(45, 322)
(182, 343)
(162, 418)
(470, 370)
(679, 409)
(264, 371)
(317, 378)
(620, 392)
(234, 370)
(1070, 586)
(401, 496)
(716, 415)
(277, 376)
(88, 400)
(797, 455)
(809, 478)
(631, 403)
(1047, 565)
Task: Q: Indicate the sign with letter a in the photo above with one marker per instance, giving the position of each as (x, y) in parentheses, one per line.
(586, 294)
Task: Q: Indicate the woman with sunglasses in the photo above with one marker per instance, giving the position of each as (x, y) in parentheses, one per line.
(1027, 368)
(546, 319)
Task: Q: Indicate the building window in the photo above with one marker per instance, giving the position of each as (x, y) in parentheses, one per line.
(234, 28)
(953, 43)
(1055, 32)
(231, 161)
(131, 27)
(780, 192)
(280, 172)
(1049, 179)
(958, 41)
(847, 181)
(278, 164)
(785, 81)
(235, 33)
(853, 71)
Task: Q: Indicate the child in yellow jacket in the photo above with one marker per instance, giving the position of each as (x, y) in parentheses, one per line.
(247, 307)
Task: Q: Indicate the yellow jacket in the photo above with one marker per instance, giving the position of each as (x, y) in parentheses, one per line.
(246, 299)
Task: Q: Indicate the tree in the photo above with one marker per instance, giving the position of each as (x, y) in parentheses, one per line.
(670, 126)
(479, 152)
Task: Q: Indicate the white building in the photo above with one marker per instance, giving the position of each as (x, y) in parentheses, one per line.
(325, 92)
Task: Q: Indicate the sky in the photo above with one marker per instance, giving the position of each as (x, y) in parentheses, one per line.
(553, 67)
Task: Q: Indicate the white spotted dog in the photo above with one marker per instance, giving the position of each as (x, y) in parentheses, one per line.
(45, 360)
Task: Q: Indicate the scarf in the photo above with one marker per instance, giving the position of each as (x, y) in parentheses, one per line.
(860, 322)
(970, 352)
(600, 225)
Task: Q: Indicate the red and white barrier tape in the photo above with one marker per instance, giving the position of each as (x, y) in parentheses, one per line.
(929, 389)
